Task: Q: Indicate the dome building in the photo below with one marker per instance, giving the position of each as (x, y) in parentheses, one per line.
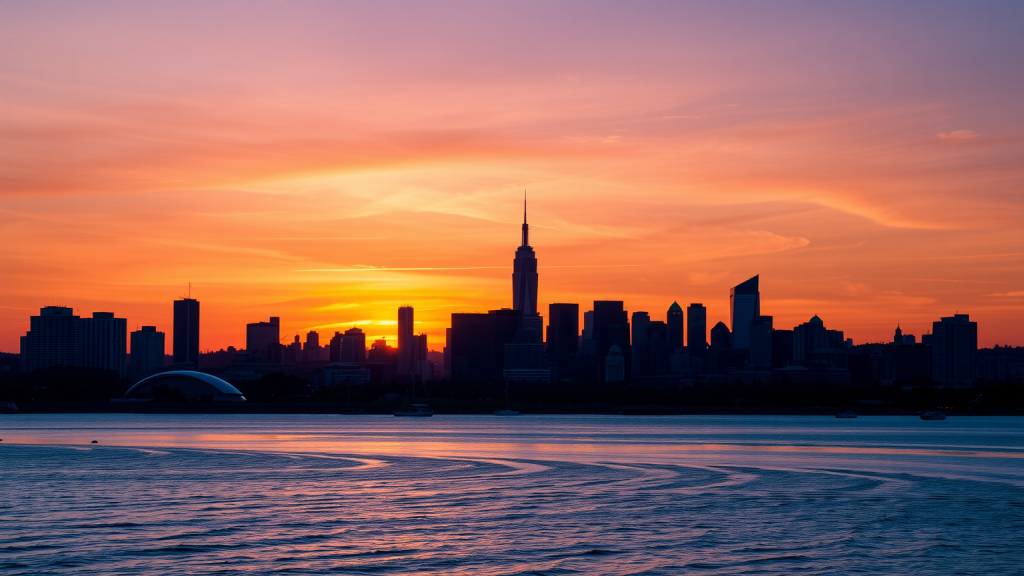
(183, 386)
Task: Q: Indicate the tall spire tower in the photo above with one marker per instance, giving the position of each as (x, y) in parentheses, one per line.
(526, 227)
(524, 279)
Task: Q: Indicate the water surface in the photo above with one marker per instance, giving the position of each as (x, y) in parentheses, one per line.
(225, 494)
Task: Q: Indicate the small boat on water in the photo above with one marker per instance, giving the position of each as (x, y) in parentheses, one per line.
(933, 415)
(414, 410)
(847, 414)
(8, 408)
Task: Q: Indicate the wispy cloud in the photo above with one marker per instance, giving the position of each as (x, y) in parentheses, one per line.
(957, 136)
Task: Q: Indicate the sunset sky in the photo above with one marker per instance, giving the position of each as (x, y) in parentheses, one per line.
(326, 162)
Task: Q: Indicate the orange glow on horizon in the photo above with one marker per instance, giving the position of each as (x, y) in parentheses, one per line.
(328, 174)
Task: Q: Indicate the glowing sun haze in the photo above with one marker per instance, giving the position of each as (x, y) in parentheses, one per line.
(328, 162)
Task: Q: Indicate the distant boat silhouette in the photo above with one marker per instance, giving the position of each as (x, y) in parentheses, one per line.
(412, 409)
(846, 414)
(933, 415)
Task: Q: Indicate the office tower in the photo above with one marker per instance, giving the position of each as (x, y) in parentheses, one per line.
(657, 353)
(719, 354)
(639, 323)
(563, 331)
(54, 339)
(611, 327)
(262, 337)
(447, 354)
(104, 342)
(406, 353)
(614, 365)
(782, 348)
(696, 328)
(477, 344)
(955, 350)
(909, 339)
(761, 342)
(812, 336)
(421, 370)
(744, 307)
(353, 346)
(311, 349)
(897, 338)
(147, 352)
(293, 352)
(186, 332)
(524, 358)
(674, 320)
(335, 347)
(720, 336)
(588, 325)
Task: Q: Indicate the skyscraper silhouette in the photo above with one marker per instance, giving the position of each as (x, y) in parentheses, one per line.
(744, 307)
(955, 350)
(720, 336)
(639, 324)
(406, 345)
(696, 328)
(104, 340)
(262, 337)
(761, 342)
(524, 281)
(611, 327)
(563, 332)
(477, 343)
(186, 332)
(353, 346)
(54, 339)
(674, 319)
(147, 352)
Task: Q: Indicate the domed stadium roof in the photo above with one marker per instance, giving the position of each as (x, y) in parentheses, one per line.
(194, 386)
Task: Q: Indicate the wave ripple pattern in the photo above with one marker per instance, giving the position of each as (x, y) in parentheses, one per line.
(543, 495)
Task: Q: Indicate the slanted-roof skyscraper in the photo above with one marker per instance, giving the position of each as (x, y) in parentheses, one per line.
(744, 307)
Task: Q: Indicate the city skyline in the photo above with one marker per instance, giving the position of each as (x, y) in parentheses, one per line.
(299, 166)
(439, 337)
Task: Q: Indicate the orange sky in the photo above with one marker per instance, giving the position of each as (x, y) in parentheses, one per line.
(328, 162)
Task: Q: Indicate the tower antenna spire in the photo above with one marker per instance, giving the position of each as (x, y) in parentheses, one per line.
(526, 228)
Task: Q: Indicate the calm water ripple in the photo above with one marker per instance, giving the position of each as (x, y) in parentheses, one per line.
(166, 494)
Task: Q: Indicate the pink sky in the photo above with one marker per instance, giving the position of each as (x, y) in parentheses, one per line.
(291, 158)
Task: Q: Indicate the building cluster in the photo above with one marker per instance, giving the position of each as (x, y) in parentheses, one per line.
(514, 345)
